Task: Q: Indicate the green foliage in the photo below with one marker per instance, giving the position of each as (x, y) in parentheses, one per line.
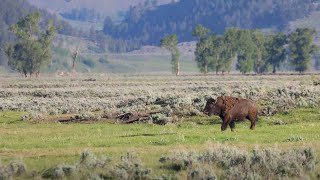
(259, 39)
(200, 32)
(276, 52)
(301, 47)
(245, 51)
(203, 49)
(214, 52)
(230, 48)
(170, 42)
(254, 50)
(32, 51)
(13, 10)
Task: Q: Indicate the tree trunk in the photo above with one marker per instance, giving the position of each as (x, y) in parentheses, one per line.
(205, 69)
(73, 63)
(274, 69)
(178, 69)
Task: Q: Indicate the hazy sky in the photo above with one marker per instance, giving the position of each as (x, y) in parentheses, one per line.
(103, 6)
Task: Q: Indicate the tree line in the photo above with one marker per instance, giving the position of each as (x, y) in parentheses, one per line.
(252, 50)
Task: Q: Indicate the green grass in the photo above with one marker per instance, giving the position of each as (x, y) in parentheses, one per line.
(46, 144)
(10, 117)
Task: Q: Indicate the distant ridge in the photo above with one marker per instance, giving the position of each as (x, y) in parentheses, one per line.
(149, 25)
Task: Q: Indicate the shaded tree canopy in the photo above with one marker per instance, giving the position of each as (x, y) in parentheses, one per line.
(301, 48)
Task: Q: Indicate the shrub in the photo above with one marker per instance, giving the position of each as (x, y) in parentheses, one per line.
(91, 167)
(239, 164)
(54, 173)
(15, 168)
(171, 97)
(131, 167)
(201, 172)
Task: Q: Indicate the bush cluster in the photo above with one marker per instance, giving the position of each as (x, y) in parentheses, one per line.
(13, 169)
(218, 162)
(92, 167)
(240, 164)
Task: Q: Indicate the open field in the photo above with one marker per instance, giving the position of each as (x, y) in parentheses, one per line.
(289, 119)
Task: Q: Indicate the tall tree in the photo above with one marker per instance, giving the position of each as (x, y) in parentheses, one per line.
(32, 49)
(200, 32)
(276, 51)
(245, 51)
(301, 47)
(203, 48)
(170, 42)
(230, 48)
(259, 52)
(217, 52)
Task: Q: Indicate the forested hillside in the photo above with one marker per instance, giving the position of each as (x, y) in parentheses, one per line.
(12, 10)
(149, 24)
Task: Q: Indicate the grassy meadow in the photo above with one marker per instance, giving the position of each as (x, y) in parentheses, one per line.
(30, 132)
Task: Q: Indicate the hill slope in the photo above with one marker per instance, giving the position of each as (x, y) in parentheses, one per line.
(106, 7)
(150, 25)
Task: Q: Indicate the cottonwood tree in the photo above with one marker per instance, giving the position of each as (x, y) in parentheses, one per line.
(230, 48)
(217, 53)
(170, 43)
(276, 51)
(32, 49)
(245, 52)
(259, 39)
(203, 52)
(301, 47)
